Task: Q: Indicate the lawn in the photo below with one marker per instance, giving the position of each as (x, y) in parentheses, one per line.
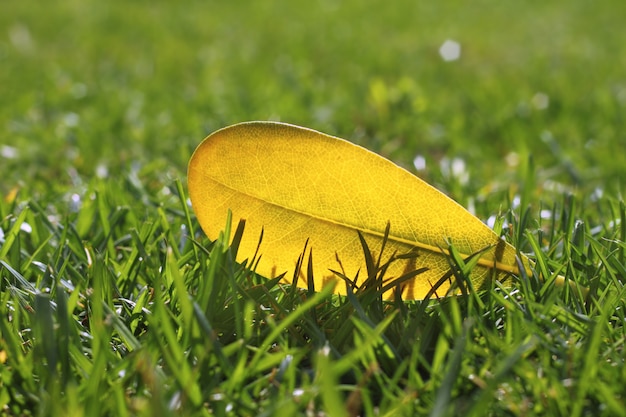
(113, 302)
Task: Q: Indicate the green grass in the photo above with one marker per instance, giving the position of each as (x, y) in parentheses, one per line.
(114, 303)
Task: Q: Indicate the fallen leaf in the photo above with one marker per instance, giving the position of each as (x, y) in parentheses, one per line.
(294, 186)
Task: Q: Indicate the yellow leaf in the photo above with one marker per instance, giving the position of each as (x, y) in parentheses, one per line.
(295, 185)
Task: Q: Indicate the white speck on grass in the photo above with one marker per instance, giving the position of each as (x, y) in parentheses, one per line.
(218, 396)
(25, 227)
(102, 171)
(540, 101)
(76, 202)
(419, 162)
(512, 159)
(450, 50)
(597, 194)
(459, 171)
(454, 168)
(545, 214)
(8, 152)
(71, 119)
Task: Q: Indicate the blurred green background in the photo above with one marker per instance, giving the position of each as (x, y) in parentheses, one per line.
(92, 88)
(103, 102)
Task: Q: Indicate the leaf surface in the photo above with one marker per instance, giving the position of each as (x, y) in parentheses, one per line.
(294, 185)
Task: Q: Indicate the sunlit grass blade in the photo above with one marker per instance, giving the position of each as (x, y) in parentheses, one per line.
(11, 235)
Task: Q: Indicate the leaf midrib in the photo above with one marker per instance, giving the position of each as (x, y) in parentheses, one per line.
(486, 263)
